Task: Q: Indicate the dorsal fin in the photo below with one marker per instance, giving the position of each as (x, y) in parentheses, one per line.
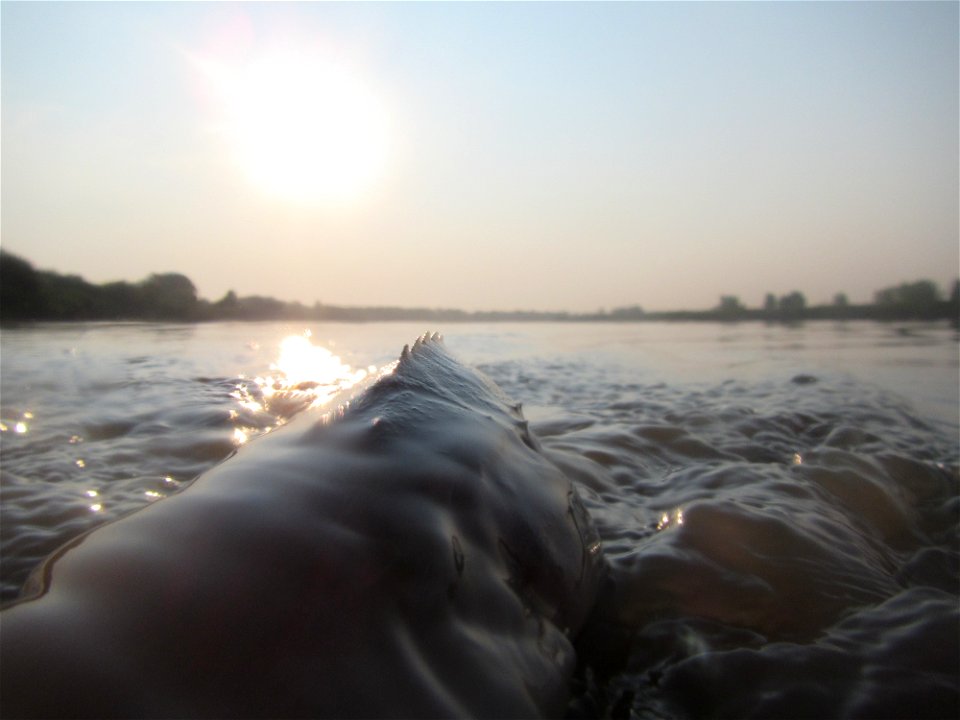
(424, 339)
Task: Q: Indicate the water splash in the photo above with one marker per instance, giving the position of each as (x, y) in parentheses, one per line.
(304, 375)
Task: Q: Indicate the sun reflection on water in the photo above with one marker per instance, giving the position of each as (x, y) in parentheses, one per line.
(97, 506)
(668, 520)
(304, 375)
(20, 427)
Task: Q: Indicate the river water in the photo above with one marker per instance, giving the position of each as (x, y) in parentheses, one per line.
(782, 529)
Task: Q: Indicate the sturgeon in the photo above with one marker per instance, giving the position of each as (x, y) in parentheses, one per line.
(415, 553)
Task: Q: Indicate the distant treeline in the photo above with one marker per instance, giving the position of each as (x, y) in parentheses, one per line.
(28, 294)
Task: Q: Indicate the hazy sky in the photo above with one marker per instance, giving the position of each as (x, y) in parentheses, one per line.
(486, 156)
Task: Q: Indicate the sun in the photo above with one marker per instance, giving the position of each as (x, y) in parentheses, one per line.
(302, 128)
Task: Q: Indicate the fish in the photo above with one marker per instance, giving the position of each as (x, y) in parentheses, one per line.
(411, 551)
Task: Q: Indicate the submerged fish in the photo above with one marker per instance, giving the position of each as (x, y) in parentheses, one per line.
(414, 553)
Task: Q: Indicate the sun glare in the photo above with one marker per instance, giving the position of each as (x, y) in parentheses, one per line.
(302, 128)
(301, 361)
(304, 375)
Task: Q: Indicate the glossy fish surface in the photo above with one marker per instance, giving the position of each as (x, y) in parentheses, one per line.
(413, 553)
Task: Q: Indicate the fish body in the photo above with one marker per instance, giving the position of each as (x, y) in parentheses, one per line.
(415, 553)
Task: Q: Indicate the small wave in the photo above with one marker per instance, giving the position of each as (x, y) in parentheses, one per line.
(781, 546)
(773, 555)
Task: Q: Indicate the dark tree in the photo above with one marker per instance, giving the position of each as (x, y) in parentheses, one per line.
(68, 297)
(120, 301)
(730, 306)
(169, 296)
(632, 312)
(770, 304)
(227, 307)
(953, 304)
(793, 305)
(916, 299)
(21, 294)
(255, 307)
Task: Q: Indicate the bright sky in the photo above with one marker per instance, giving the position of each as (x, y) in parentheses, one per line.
(486, 156)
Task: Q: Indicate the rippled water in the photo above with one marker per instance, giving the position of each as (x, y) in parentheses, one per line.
(781, 516)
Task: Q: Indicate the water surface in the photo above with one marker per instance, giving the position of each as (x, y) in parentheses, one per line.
(781, 524)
